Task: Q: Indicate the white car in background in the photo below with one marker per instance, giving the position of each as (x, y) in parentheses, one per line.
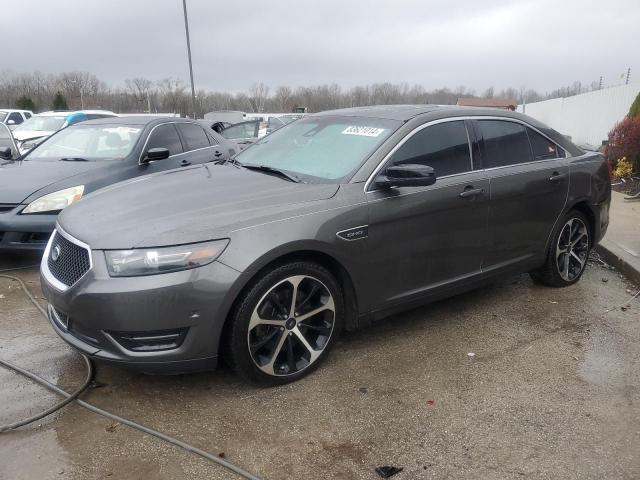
(12, 117)
(40, 126)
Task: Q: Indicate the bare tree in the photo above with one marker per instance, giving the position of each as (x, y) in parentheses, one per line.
(258, 94)
(170, 95)
(174, 99)
(141, 89)
(282, 96)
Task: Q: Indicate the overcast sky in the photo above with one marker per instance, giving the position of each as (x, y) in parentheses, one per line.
(540, 44)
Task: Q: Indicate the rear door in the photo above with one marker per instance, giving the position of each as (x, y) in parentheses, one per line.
(529, 185)
(198, 146)
(426, 238)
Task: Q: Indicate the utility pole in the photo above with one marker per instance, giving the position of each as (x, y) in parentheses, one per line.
(186, 28)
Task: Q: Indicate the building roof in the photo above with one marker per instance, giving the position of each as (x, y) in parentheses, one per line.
(487, 102)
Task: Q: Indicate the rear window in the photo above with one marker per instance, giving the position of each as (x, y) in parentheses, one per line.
(505, 143)
(542, 147)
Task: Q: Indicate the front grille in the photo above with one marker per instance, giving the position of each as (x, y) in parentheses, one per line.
(71, 260)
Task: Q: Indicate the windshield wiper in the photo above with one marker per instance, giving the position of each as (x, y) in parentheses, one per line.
(73, 159)
(230, 160)
(265, 168)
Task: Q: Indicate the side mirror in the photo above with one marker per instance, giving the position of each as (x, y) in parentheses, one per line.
(11, 122)
(5, 153)
(154, 154)
(407, 175)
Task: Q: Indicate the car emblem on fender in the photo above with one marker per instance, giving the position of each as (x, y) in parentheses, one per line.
(55, 254)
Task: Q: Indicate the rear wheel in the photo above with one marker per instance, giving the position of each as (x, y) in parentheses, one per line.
(285, 324)
(568, 252)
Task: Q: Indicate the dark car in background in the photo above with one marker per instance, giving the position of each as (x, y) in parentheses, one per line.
(331, 222)
(85, 157)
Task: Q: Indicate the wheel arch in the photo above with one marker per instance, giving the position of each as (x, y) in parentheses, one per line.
(321, 257)
(584, 207)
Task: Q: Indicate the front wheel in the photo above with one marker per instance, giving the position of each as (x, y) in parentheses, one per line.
(285, 324)
(567, 254)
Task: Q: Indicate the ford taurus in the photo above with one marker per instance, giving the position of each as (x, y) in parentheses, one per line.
(329, 223)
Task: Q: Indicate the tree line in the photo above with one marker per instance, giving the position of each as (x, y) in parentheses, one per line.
(75, 90)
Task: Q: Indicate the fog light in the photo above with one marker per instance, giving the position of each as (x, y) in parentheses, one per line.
(154, 341)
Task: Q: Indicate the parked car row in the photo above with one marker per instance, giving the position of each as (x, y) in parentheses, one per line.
(328, 223)
(91, 155)
(12, 118)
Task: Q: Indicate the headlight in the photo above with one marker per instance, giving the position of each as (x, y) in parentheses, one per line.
(55, 201)
(143, 261)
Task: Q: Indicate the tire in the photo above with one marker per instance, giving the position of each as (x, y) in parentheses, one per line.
(269, 342)
(571, 242)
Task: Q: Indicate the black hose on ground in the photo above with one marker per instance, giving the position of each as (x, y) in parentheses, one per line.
(71, 397)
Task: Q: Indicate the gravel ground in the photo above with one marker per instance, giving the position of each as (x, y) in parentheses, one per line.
(551, 391)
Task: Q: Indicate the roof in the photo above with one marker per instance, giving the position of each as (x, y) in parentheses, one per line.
(391, 112)
(486, 102)
(14, 110)
(134, 120)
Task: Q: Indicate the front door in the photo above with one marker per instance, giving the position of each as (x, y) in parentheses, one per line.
(422, 239)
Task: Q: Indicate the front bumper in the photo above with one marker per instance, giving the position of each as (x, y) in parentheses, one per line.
(99, 309)
(25, 232)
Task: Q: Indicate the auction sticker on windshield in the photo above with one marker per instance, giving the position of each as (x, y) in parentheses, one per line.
(363, 131)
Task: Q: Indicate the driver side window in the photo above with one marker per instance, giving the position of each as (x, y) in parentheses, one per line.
(165, 136)
(443, 146)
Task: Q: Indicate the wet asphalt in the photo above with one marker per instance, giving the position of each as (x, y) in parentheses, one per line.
(551, 391)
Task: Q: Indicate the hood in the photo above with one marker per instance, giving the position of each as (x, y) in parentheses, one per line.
(21, 179)
(186, 206)
(22, 135)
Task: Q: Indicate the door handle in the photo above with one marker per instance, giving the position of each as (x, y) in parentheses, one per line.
(185, 163)
(556, 177)
(217, 154)
(470, 192)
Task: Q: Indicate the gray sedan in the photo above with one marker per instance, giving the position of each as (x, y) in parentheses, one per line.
(329, 223)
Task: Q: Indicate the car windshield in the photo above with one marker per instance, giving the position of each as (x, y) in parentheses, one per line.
(88, 142)
(320, 149)
(39, 123)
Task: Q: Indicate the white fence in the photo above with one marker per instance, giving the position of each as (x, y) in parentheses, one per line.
(588, 117)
